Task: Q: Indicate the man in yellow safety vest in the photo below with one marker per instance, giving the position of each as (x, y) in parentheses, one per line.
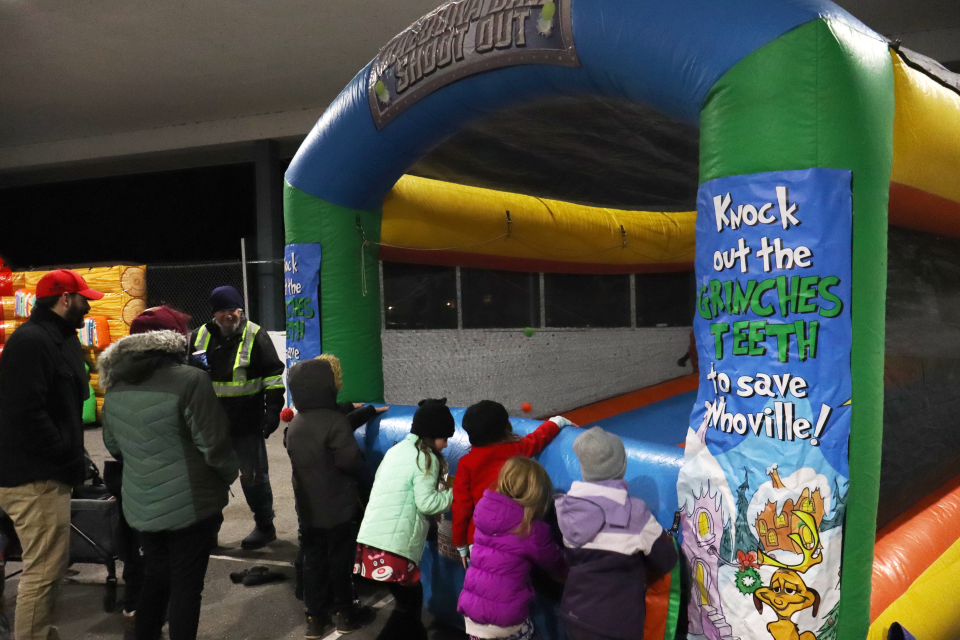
(248, 378)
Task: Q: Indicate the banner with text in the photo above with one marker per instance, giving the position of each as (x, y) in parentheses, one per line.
(301, 282)
(461, 38)
(763, 487)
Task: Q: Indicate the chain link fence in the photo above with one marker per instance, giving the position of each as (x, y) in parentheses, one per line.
(187, 286)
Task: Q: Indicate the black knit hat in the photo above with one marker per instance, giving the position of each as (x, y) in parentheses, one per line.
(433, 420)
(486, 422)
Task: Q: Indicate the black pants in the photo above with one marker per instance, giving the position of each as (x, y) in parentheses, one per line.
(328, 556)
(576, 633)
(251, 450)
(175, 564)
(129, 552)
(405, 621)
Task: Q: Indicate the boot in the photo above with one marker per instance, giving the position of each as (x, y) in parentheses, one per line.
(354, 619)
(261, 536)
(318, 627)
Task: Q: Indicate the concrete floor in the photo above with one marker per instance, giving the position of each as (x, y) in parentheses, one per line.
(266, 612)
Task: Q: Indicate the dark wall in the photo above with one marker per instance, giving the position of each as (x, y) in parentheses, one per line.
(921, 412)
(172, 216)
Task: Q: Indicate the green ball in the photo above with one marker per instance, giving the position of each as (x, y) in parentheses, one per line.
(529, 331)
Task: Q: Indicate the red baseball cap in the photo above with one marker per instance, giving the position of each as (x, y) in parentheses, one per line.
(65, 281)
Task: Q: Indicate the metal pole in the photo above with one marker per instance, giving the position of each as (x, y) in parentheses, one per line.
(243, 261)
(460, 301)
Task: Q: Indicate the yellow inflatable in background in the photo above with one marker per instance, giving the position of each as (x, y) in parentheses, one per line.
(537, 235)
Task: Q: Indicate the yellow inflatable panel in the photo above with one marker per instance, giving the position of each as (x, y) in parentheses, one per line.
(926, 133)
(928, 609)
(432, 222)
(131, 280)
(925, 180)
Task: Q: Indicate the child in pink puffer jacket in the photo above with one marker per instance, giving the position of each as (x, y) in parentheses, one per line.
(510, 538)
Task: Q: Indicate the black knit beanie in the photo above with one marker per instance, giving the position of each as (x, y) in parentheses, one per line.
(486, 422)
(433, 420)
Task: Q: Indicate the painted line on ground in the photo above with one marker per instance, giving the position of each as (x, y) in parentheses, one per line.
(379, 605)
(254, 561)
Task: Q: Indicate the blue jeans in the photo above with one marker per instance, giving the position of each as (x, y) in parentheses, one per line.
(255, 476)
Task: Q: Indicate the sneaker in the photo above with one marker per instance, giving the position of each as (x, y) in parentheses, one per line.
(318, 627)
(355, 619)
(260, 537)
(129, 618)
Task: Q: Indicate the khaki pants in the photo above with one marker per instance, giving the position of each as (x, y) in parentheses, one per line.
(41, 516)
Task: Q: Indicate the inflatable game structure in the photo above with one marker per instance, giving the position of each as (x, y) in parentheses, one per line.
(814, 487)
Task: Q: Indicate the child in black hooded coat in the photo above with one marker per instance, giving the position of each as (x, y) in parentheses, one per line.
(325, 458)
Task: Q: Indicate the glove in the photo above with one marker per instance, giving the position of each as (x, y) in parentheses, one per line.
(270, 424)
(561, 422)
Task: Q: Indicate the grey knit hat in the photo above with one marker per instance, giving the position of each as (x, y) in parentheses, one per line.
(601, 455)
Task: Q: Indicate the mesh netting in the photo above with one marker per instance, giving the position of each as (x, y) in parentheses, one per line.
(554, 370)
(187, 286)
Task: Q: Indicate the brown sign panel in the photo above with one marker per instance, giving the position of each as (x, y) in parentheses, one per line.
(462, 38)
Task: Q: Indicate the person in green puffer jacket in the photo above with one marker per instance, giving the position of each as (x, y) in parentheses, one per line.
(410, 486)
(162, 419)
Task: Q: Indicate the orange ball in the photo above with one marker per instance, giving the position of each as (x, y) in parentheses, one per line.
(527, 407)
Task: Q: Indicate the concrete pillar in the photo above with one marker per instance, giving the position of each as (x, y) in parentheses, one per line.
(267, 277)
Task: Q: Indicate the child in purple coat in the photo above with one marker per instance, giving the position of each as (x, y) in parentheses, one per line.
(612, 539)
(510, 538)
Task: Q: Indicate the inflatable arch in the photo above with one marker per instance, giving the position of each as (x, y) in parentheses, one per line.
(791, 97)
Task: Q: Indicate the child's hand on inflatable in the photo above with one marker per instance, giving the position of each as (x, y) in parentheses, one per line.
(561, 422)
(381, 409)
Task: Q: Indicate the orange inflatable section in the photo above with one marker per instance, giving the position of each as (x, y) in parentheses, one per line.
(633, 400)
(912, 543)
(658, 607)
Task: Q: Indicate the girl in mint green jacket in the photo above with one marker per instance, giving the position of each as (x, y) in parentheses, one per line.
(408, 488)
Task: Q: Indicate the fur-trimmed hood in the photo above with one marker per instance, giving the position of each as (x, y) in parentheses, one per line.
(132, 358)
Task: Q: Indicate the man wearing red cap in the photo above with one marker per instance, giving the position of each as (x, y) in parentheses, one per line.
(43, 384)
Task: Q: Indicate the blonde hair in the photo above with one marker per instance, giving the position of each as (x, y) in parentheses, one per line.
(335, 366)
(527, 482)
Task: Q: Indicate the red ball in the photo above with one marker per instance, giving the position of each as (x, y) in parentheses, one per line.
(527, 407)
(287, 414)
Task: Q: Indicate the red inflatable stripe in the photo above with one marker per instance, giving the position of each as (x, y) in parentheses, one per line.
(914, 208)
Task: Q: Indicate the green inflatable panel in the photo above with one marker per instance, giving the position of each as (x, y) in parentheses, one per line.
(349, 286)
(90, 404)
(822, 96)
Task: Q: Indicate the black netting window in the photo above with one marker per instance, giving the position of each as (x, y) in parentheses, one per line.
(499, 299)
(666, 299)
(419, 296)
(587, 300)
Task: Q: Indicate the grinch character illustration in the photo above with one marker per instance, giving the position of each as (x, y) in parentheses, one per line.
(381, 90)
(787, 594)
(545, 23)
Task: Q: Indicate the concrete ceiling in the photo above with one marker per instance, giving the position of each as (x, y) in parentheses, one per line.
(99, 86)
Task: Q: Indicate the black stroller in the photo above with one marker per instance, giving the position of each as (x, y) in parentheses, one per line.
(94, 524)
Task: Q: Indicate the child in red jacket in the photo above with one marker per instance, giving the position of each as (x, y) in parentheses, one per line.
(492, 442)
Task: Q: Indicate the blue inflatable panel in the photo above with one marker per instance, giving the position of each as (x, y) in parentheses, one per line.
(652, 470)
(664, 54)
(663, 422)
